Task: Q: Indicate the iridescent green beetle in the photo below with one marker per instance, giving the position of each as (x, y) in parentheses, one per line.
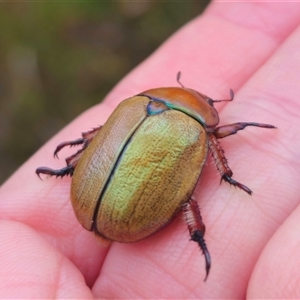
(135, 173)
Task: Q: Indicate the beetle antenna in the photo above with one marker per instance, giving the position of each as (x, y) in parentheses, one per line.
(231, 97)
(178, 79)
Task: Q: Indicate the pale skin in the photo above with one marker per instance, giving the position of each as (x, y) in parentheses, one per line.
(253, 240)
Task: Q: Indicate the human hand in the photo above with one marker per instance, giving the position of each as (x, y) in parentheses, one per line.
(249, 47)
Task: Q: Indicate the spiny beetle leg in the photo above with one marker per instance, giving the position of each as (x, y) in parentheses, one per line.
(69, 143)
(227, 178)
(197, 229)
(73, 159)
(87, 137)
(68, 170)
(230, 129)
(221, 163)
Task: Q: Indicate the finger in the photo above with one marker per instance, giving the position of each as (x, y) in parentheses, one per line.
(269, 161)
(279, 260)
(30, 267)
(45, 206)
(278, 265)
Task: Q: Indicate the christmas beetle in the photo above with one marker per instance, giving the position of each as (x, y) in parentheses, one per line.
(135, 173)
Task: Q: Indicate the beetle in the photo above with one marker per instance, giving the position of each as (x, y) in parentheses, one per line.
(135, 173)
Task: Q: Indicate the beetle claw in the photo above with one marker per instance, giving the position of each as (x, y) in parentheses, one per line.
(198, 237)
(231, 181)
(38, 174)
(197, 229)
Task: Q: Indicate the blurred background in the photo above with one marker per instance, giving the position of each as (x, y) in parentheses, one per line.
(58, 59)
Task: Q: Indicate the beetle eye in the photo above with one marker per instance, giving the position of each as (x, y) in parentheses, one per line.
(155, 107)
(210, 101)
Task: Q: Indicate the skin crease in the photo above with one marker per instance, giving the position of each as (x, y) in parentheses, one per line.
(249, 47)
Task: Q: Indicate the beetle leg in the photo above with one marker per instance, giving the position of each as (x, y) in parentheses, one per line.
(230, 129)
(69, 143)
(72, 160)
(197, 229)
(68, 170)
(87, 137)
(221, 163)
